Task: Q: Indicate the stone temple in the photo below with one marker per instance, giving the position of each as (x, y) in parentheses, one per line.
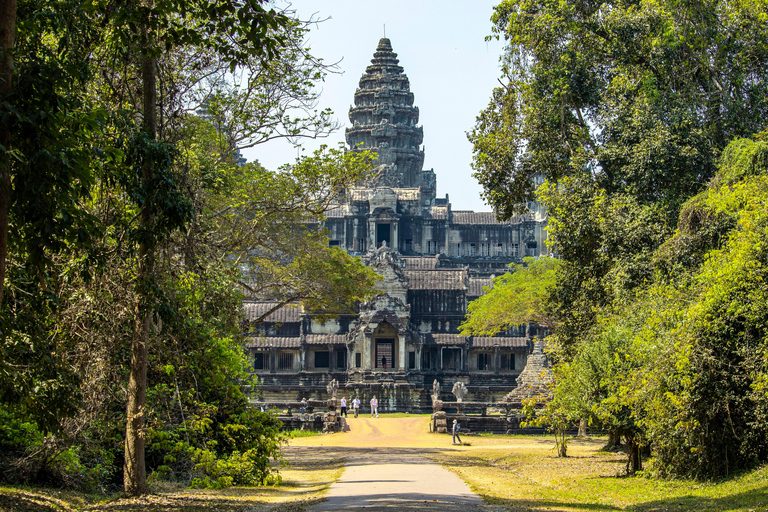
(434, 260)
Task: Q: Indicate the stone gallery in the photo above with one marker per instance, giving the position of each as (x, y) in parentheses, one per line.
(433, 259)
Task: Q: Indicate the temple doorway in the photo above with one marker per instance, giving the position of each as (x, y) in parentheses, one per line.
(384, 352)
(383, 234)
(385, 347)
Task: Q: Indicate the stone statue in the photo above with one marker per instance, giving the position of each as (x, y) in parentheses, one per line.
(332, 388)
(460, 391)
(435, 390)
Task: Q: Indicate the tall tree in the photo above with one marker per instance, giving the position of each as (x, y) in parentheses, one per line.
(7, 39)
(235, 32)
(644, 95)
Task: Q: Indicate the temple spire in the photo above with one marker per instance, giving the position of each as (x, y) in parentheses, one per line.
(385, 120)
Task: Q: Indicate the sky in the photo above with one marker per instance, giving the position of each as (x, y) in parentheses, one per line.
(451, 68)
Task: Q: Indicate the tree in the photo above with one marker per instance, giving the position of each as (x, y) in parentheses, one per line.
(515, 298)
(643, 95)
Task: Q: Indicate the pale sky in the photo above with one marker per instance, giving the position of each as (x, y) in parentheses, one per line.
(451, 68)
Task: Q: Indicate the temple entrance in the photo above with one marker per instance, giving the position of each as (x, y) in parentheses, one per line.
(385, 352)
(385, 347)
(451, 359)
(383, 234)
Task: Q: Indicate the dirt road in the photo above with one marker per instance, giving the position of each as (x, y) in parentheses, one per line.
(384, 468)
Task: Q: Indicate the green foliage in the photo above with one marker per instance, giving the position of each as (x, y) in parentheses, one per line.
(94, 192)
(680, 365)
(515, 298)
(643, 94)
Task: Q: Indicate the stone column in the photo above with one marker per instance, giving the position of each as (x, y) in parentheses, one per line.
(496, 359)
(372, 235)
(272, 360)
(403, 354)
(464, 355)
(395, 236)
(418, 357)
(331, 362)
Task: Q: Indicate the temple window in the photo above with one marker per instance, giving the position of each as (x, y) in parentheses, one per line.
(341, 359)
(507, 362)
(259, 361)
(285, 361)
(322, 359)
(482, 362)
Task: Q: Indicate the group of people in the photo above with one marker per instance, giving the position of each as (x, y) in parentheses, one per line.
(375, 412)
(356, 406)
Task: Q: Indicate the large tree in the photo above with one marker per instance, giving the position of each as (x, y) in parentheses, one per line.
(642, 95)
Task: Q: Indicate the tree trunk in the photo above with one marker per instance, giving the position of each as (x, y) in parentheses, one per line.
(614, 440)
(634, 459)
(7, 40)
(582, 428)
(134, 469)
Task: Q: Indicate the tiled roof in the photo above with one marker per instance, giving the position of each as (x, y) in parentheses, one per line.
(335, 212)
(501, 341)
(273, 342)
(420, 262)
(445, 339)
(437, 279)
(476, 285)
(480, 218)
(254, 310)
(326, 339)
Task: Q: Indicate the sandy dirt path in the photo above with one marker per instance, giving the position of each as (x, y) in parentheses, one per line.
(385, 469)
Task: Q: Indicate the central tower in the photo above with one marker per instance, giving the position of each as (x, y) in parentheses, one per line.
(384, 120)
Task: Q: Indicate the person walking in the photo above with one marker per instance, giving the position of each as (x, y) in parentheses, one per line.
(356, 405)
(374, 407)
(455, 431)
(344, 406)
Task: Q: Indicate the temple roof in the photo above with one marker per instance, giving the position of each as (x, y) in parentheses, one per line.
(500, 341)
(476, 285)
(273, 342)
(436, 279)
(480, 218)
(254, 310)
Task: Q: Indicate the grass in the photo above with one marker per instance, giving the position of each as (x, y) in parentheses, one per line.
(301, 433)
(511, 473)
(531, 477)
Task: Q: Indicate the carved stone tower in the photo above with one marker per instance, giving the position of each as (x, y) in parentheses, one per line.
(384, 119)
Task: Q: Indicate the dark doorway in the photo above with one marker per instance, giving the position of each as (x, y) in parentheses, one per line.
(258, 361)
(341, 359)
(383, 234)
(384, 352)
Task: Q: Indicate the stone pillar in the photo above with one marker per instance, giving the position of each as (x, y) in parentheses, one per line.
(418, 357)
(372, 235)
(395, 234)
(403, 354)
(272, 360)
(303, 357)
(496, 359)
(331, 357)
(464, 355)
